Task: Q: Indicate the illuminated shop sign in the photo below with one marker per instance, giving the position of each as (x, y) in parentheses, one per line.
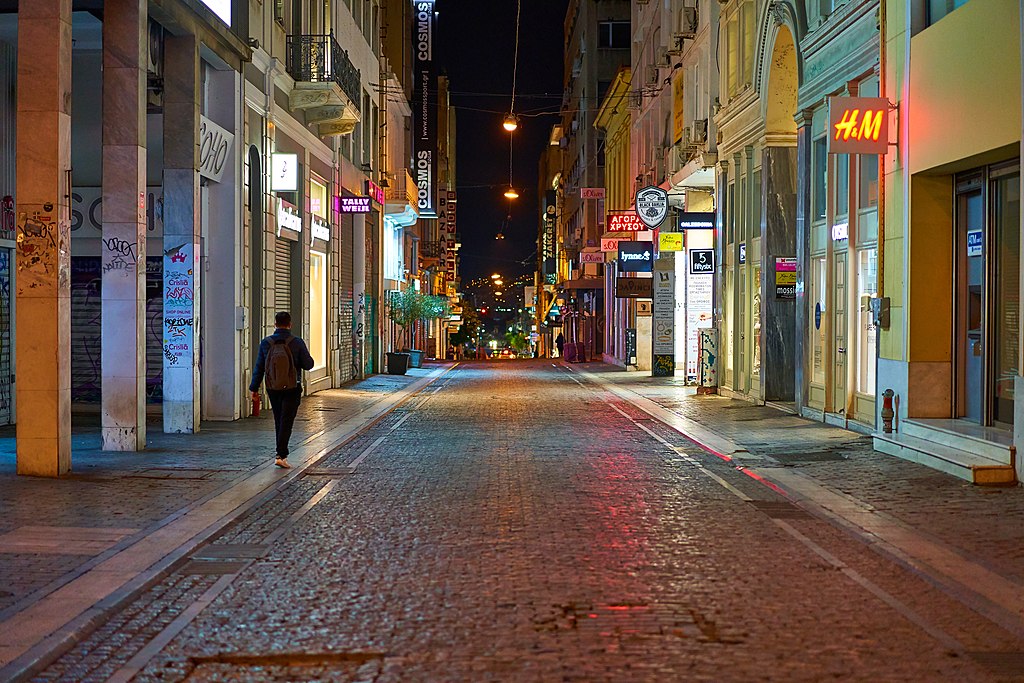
(375, 191)
(222, 8)
(353, 205)
(697, 220)
(608, 244)
(288, 217)
(858, 125)
(636, 257)
(670, 241)
(424, 111)
(624, 222)
(285, 170)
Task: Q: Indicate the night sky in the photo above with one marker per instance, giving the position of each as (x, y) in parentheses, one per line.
(475, 41)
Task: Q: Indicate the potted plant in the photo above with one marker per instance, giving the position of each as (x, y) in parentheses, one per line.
(406, 308)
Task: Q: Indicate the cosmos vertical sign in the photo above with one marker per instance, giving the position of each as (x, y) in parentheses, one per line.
(425, 108)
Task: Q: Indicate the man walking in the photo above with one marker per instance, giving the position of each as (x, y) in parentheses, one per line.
(281, 359)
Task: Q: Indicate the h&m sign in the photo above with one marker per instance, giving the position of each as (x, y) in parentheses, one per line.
(858, 125)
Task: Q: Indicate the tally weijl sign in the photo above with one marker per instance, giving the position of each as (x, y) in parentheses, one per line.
(425, 108)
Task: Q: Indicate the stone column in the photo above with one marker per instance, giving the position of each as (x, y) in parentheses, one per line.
(123, 254)
(804, 314)
(778, 240)
(43, 294)
(181, 246)
(359, 292)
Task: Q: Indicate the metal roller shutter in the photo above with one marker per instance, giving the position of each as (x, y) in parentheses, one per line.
(282, 275)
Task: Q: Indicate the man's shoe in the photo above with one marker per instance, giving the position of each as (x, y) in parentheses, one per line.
(282, 463)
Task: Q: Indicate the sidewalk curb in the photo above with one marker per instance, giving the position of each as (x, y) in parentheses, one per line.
(41, 632)
(982, 589)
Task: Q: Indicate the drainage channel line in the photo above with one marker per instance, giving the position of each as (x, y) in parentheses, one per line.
(155, 646)
(403, 419)
(904, 610)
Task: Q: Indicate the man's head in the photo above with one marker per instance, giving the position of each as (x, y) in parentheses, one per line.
(283, 320)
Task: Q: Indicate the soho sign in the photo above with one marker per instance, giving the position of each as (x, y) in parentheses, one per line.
(215, 147)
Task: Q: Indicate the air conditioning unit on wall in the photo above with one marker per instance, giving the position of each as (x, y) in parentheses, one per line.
(687, 23)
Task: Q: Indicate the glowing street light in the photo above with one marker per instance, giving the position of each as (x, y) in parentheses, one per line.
(511, 193)
(498, 282)
(510, 123)
(496, 277)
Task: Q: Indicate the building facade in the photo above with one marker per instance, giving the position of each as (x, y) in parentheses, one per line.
(247, 158)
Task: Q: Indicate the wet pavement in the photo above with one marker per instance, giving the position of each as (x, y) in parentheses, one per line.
(528, 521)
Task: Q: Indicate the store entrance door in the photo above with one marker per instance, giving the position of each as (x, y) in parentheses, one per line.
(840, 327)
(987, 294)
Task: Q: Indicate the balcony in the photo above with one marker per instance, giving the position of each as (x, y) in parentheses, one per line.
(327, 85)
(431, 254)
(401, 206)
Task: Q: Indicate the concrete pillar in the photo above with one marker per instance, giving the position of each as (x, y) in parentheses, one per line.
(359, 291)
(222, 258)
(43, 296)
(181, 235)
(123, 254)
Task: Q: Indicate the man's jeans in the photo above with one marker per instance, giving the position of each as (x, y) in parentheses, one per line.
(285, 405)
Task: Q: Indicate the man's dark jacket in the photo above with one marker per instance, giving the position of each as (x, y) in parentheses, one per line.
(300, 354)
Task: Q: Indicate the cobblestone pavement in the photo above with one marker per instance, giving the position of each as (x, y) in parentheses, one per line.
(976, 520)
(132, 492)
(518, 524)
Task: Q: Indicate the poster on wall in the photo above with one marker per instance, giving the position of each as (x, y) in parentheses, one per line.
(179, 306)
(699, 293)
(663, 323)
(785, 278)
(425, 108)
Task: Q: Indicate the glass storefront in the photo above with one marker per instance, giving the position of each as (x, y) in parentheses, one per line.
(987, 294)
(318, 308)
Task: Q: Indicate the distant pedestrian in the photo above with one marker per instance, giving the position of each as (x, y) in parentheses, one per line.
(281, 359)
(560, 343)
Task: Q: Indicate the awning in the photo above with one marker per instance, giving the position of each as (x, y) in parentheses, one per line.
(584, 283)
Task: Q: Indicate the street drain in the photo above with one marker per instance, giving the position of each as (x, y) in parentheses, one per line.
(328, 472)
(213, 567)
(288, 658)
(1010, 664)
(230, 551)
(780, 509)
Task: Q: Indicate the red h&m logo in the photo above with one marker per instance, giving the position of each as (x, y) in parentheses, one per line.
(858, 125)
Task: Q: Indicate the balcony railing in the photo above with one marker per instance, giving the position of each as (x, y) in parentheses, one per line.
(432, 250)
(320, 59)
(402, 188)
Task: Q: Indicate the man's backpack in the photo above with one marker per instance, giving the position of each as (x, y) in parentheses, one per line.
(280, 364)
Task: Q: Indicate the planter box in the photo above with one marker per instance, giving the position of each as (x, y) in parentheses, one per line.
(398, 363)
(415, 357)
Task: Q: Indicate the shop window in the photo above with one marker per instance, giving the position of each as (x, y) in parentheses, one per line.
(756, 208)
(317, 198)
(867, 287)
(842, 185)
(819, 176)
(937, 9)
(318, 308)
(613, 35)
(818, 320)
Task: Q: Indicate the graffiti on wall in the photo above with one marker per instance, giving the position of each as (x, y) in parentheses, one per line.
(179, 306)
(86, 329)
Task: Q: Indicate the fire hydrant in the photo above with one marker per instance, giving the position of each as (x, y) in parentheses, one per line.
(887, 411)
